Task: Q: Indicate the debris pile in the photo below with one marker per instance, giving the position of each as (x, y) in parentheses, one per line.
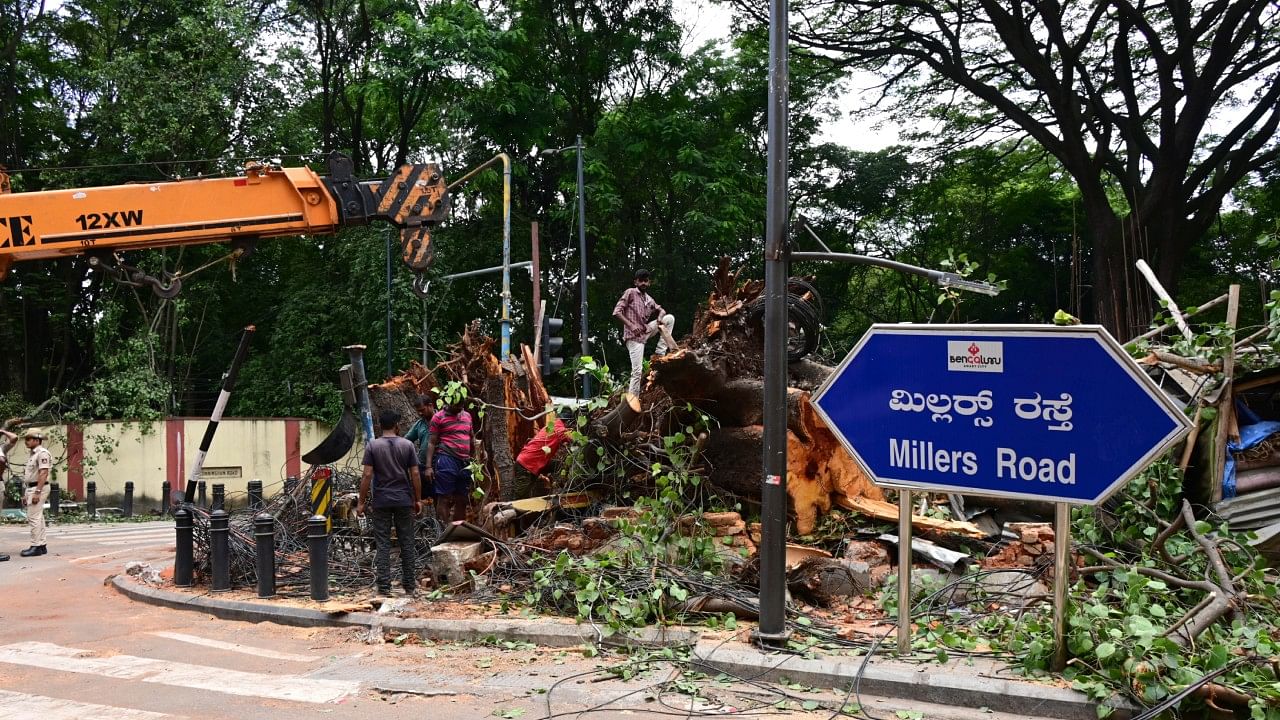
(650, 513)
(1231, 460)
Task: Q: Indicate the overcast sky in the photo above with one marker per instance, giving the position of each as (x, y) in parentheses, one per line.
(706, 20)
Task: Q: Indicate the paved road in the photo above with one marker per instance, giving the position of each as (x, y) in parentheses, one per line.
(73, 648)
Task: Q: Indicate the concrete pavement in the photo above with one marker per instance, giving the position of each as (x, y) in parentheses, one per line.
(74, 646)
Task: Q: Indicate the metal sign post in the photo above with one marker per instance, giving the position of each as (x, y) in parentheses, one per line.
(1061, 579)
(1037, 412)
(904, 571)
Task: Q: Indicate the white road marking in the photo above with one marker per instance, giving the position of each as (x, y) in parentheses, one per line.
(234, 647)
(21, 706)
(199, 677)
(117, 552)
(120, 533)
(107, 529)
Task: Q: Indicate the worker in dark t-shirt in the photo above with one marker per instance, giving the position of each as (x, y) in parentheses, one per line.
(392, 481)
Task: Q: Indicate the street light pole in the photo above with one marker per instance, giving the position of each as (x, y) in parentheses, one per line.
(582, 267)
(506, 240)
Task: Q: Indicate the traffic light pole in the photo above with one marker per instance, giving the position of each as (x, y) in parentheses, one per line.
(582, 268)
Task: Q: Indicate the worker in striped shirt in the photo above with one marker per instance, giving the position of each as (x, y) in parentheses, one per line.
(642, 318)
(450, 446)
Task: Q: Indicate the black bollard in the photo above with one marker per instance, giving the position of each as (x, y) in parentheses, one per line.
(91, 499)
(220, 549)
(201, 498)
(165, 489)
(219, 497)
(183, 558)
(290, 483)
(318, 545)
(128, 499)
(264, 535)
(55, 494)
(255, 495)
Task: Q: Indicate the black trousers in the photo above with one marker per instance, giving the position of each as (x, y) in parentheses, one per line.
(382, 520)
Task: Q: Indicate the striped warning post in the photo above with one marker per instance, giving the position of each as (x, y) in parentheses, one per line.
(322, 495)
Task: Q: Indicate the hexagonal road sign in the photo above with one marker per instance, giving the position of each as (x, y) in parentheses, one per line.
(1040, 412)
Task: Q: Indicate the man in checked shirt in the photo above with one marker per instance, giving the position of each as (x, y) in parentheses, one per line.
(642, 318)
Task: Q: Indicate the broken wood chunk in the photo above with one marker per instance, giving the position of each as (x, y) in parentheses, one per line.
(888, 512)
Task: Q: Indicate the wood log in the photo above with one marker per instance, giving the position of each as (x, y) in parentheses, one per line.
(881, 510)
(825, 581)
(621, 418)
(815, 470)
(807, 374)
(1194, 365)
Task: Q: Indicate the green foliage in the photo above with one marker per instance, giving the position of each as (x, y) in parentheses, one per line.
(643, 575)
(964, 267)
(1120, 619)
(452, 393)
(128, 385)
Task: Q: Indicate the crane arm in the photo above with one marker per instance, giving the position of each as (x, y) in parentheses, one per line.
(266, 201)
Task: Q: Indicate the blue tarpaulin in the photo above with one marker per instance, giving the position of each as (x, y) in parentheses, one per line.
(1250, 435)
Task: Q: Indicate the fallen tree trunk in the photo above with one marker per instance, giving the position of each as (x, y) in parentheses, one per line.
(816, 470)
(719, 370)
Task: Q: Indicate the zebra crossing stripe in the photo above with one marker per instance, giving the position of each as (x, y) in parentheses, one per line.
(87, 533)
(133, 549)
(198, 677)
(21, 706)
(234, 647)
(150, 533)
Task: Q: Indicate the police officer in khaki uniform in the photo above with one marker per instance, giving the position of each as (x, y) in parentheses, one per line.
(36, 491)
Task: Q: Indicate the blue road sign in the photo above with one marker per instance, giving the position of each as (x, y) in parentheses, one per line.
(1028, 411)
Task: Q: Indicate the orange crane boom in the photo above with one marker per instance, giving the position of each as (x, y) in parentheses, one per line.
(266, 201)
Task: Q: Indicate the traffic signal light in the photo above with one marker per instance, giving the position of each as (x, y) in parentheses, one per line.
(552, 345)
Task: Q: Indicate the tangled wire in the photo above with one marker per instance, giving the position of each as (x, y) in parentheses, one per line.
(351, 546)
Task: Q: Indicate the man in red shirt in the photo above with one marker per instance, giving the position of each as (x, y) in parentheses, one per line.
(642, 318)
(450, 446)
(538, 453)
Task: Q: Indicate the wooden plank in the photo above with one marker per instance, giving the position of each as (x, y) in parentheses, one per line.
(1226, 402)
(882, 510)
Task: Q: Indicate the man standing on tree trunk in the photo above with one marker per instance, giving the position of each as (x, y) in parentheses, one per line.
(642, 318)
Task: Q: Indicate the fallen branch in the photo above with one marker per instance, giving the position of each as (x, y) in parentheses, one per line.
(1194, 365)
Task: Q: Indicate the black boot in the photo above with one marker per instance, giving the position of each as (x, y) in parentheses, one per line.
(30, 552)
(43, 550)
(4, 556)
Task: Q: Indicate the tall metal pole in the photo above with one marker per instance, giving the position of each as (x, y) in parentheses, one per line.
(506, 257)
(535, 257)
(506, 238)
(582, 267)
(390, 370)
(772, 628)
(904, 571)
